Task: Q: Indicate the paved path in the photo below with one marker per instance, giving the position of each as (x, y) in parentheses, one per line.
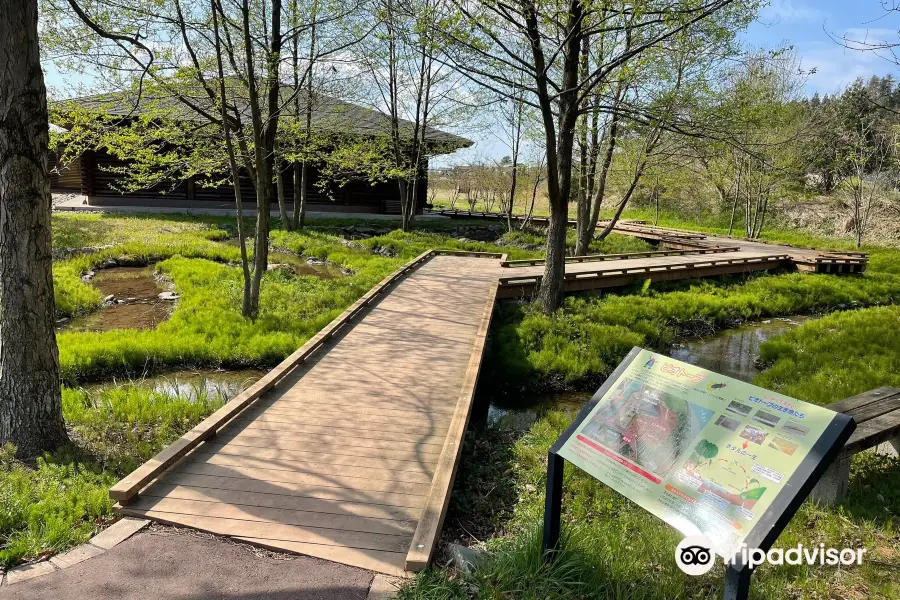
(158, 565)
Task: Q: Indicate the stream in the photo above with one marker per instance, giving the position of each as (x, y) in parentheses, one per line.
(209, 383)
(132, 299)
(732, 352)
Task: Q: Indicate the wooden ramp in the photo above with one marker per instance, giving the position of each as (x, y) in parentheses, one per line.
(351, 457)
(626, 269)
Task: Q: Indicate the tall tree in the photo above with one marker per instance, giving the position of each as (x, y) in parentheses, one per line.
(557, 83)
(165, 53)
(30, 405)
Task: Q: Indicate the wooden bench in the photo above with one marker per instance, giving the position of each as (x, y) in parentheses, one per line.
(877, 416)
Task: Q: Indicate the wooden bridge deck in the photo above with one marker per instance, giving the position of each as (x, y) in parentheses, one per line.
(348, 449)
(351, 456)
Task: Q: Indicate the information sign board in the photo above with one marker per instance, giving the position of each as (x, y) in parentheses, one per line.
(707, 454)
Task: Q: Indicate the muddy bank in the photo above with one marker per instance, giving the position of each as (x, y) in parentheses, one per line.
(133, 298)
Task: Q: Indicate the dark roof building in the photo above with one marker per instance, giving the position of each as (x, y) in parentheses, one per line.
(94, 173)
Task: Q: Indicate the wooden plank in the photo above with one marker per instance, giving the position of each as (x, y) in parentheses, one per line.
(229, 456)
(293, 490)
(127, 488)
(873, 432)
(383, 404)
(320, 422)
(341, 444)
(853, 402)
(423, 542)
(382, 562)
(419, 474)
(313, 521)
(875, 409)
(276, 531)
(313, 505)
(316, 413)
(276, 478)
(261, 437)
(621, 256)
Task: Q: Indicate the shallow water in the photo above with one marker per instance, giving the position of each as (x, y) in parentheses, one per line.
(132, 301)
(299, 266)
(213, 384)
(506, 415)
(734, 352)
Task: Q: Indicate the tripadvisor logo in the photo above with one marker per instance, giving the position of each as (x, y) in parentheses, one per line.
(695, 555)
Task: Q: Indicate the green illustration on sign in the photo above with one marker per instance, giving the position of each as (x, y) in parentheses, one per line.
(705, 453)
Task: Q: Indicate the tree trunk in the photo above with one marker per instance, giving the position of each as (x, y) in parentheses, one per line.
(602, 179)
(737, 196)
(232, 163)
(301, 177)
(282, 209)
(559, 158)
(512, 191)
(300, 182)
(30, 405)
(656, 200)
(639, 172)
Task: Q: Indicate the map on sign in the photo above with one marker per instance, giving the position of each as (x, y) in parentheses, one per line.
(707, 454)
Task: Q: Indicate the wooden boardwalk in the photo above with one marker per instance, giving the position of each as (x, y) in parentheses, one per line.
(348, 449)
(351, 456)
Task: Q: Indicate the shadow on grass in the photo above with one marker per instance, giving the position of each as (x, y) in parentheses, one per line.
(484, 493)
(874, 491)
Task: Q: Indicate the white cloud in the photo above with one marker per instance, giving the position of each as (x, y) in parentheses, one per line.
(788, 11)
(836, 67)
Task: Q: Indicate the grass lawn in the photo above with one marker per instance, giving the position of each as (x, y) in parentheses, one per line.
(614, 551)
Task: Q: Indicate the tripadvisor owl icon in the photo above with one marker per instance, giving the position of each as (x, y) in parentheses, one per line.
(695, 555)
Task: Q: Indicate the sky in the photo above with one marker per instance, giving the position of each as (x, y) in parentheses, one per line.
(809, 27)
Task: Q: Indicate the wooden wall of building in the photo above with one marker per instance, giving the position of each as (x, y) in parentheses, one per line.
(97, 183)
(65, 178)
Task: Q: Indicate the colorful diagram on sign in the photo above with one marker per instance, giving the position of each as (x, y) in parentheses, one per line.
(646, 425)
(705, 453)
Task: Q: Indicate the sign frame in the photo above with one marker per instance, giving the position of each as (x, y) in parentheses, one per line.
(770, 525)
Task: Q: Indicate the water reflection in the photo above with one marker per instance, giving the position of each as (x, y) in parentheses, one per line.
(203, 383)
(734, 352)
(504, 415)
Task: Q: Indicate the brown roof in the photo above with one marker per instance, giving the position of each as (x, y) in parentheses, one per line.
(329, 114)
